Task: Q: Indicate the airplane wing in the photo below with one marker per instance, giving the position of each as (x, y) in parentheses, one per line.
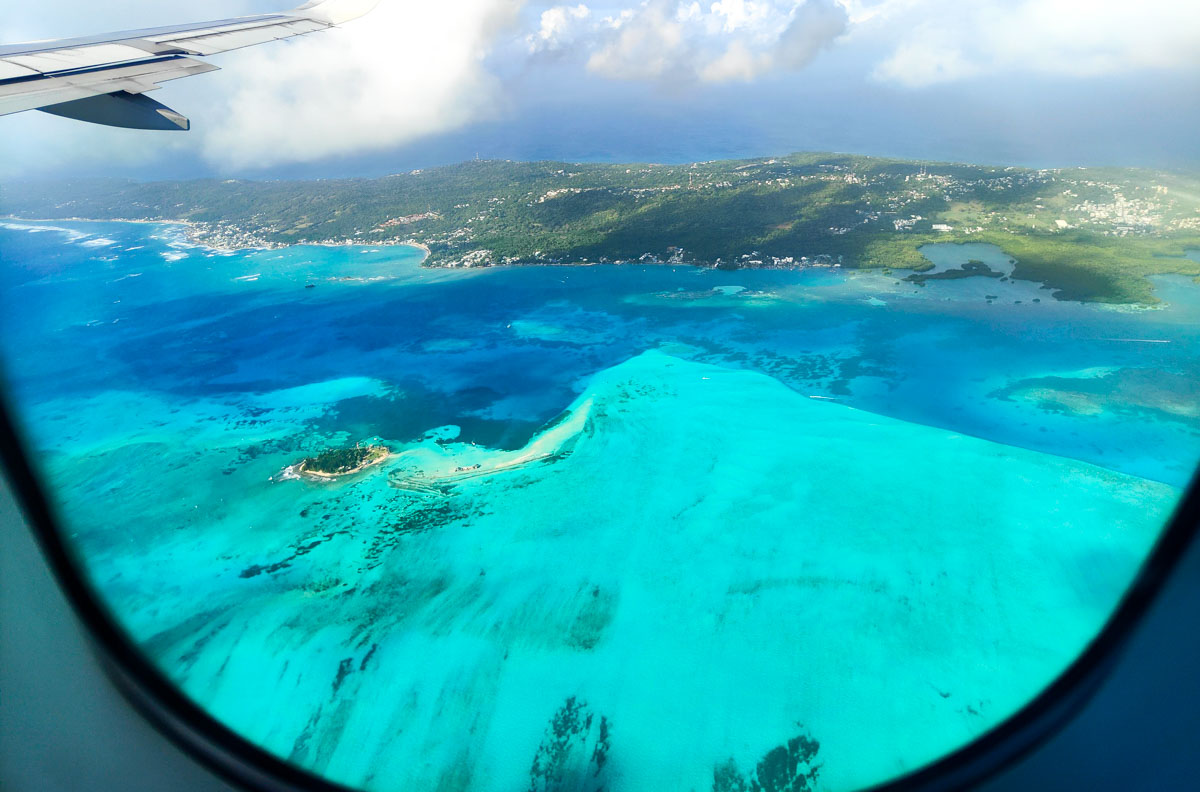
(103, 79)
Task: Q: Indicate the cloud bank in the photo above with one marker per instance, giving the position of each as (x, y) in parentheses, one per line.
(409, 70)
(413, 69)
(948, 41)
(725, 41)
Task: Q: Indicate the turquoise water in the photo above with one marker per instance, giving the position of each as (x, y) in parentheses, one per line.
(643, 528)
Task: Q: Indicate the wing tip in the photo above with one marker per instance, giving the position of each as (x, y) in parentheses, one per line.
(335, 12)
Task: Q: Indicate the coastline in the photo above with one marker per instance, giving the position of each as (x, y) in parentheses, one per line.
(298, 471)
(201, 235)
(226, 238)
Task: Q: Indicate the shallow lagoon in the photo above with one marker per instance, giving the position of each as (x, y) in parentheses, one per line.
(947, 256)
(783, 504)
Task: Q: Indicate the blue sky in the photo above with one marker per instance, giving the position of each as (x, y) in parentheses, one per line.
(1036, 82)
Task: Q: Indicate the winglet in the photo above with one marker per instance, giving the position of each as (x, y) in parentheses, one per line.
(335, 12)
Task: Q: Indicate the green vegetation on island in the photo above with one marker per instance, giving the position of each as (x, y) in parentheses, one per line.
(1088, 234)
(342, 461)
(971, 269)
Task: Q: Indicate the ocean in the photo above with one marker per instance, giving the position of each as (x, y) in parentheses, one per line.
(643, 527)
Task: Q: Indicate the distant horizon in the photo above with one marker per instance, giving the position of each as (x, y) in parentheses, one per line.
(383, 173)
(1020, 84)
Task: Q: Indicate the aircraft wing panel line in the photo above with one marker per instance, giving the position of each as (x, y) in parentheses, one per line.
(132, 78)
(82, 58)
(212, 43)
(11, 71)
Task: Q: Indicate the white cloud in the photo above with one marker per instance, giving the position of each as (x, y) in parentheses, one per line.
(735, 15)
(405, 71)
(558, 26)
(946, 40)
(731, 40)
(646, 44)
(814, 26)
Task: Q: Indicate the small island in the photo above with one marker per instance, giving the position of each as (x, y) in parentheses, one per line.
(340, 462)
(973, 268)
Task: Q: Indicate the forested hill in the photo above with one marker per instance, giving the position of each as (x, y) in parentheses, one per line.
(1091, 234)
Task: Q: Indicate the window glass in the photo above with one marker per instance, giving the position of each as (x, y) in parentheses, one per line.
(554, 469)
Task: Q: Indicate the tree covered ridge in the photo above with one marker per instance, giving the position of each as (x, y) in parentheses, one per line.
(1090, 234)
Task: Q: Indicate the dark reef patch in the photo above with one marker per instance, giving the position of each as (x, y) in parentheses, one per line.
(791, 767)
(573, 754)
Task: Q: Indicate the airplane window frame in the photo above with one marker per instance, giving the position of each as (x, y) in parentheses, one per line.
(240, 762)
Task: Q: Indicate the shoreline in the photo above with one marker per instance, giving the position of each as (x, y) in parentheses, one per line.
(297, 471)
(198, 235)
(209, 237)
